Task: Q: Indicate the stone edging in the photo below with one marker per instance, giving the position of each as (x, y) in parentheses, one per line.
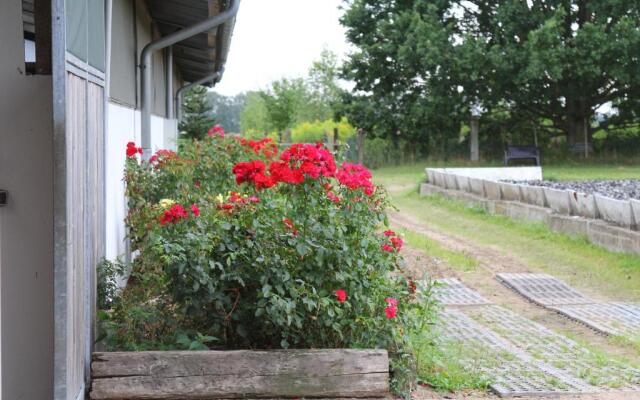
(623, 213)
(599, 232)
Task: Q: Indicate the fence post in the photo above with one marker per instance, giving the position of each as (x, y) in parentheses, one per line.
(360, 146)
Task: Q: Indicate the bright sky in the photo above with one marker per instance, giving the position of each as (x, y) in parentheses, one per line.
(279, 38)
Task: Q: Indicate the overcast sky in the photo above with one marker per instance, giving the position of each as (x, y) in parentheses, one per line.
(279, 38)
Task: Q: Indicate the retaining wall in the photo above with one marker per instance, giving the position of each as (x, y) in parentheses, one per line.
(607, 222)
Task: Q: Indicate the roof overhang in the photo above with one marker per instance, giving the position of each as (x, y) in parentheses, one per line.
(202, 54)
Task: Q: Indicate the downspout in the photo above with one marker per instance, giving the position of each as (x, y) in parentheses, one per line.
(215, 77)
(159, 44)
(168, 81)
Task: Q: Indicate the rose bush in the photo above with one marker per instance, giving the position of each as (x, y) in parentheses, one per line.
(252, 248)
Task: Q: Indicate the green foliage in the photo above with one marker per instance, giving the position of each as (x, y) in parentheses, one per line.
(312, 132)
(258, 268)
(283, 101)
(323, 84)
(254, 115)
(196, 120)
(227, 110)
(107, 283)
(423, 66)
(288, 102)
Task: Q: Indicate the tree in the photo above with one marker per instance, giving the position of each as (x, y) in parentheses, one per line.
(538, 60)
(284, 102)
(323, 84)
(227, 110)
(254, 115)
(196, 120)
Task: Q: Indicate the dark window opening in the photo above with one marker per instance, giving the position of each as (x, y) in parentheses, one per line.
(36, 22)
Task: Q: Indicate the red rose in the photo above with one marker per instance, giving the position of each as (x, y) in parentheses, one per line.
(195, 210)
(389, 233)
(391, 312)
(341, 295)
(355, 176)
(397, 243)
(387, 247)
(216, 130)
(173, 215)
(132, 150)
(392, 307)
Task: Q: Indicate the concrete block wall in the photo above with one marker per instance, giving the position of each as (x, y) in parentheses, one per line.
(486, 182)
(606, 222)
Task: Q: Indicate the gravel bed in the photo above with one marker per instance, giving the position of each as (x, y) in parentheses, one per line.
(617, 189)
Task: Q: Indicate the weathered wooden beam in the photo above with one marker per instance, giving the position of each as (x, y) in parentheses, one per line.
(173, 375)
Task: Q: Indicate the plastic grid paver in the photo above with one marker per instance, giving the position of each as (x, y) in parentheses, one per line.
(559, 351)
(542, 289)
(608, 318)
(452, 292)
(513, 372)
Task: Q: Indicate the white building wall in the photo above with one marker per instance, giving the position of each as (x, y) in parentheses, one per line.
(123, 126)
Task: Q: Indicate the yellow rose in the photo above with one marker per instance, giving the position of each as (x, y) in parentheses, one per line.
(166, 203)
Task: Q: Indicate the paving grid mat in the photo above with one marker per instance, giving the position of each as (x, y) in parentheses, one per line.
(608, 318)
(558, 350)
(545, 290)
(514, 373)
(452, 292)
(542, 289)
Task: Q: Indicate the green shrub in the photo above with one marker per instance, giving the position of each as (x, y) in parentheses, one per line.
(235, 254)
(312, 132)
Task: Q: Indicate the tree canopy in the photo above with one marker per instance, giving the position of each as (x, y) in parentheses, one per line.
(552, 62)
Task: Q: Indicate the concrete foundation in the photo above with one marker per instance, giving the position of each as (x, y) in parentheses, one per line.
(450, 181)
(635, 211)
(601, 233)
(616, 211)
(583, 205)
(485, 182)
(477, 186)
(510, 192)
(463, 183)
(558, 200)
(492, 190)
(533, 195)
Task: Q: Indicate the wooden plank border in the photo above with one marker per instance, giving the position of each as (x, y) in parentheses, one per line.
(333, 373)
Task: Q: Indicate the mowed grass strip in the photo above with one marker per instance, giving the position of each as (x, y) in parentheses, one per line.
(432, 248)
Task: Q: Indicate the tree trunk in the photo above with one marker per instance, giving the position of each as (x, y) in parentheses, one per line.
(473, 139)
(577, 123)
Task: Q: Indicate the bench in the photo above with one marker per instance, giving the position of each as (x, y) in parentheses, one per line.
(521, 153)
(240, 374)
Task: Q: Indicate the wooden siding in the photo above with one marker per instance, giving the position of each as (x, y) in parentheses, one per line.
(85, 193)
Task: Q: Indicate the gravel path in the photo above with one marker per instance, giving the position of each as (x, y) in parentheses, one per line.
(617, 189)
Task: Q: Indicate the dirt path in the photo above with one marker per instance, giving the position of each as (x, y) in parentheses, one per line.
(493, 260)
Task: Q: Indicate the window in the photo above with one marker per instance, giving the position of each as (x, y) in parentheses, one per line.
(85, 29)
(36, 22)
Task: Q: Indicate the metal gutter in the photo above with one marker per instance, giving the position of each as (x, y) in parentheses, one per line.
(159, 44)
(215, 77)
(168, 81)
